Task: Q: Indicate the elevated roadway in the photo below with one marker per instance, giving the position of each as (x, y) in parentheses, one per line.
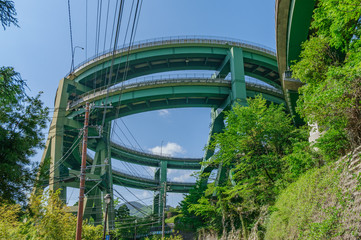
(112, 92)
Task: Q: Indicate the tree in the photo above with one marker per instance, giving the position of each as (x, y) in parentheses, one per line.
(187, 221)
(46, 218)
(330, 67)
(22, 119)
(262, 152)
(7, 13)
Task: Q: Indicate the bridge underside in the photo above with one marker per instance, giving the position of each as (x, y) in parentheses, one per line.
(102, 85)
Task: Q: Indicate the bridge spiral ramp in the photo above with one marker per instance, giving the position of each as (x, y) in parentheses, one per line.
(128, 87)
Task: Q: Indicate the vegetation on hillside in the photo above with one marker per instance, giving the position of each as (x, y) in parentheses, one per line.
(280, 187)
(263, 152)
(46, 218)
(330, 68)
(273, 184)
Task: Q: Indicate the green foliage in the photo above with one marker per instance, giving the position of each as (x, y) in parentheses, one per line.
(308, 208)
(187, 221)
(176, 237)
(91, 232)
(265, 152)
(48, 214)
(47, 218)
(330, 67)
(22, 119)
(7, 13)
(9, 221)
(127, 226)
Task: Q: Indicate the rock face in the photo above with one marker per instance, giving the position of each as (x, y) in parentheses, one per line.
(207, 235)
(350, 184)
(324, 203)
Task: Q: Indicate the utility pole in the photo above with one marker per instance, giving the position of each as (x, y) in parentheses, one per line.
(79, 224)
(135, 229)
(163, 212)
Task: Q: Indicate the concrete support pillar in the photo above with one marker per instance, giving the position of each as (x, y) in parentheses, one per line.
(93, 202)
(163, 188)
(156, 200)
(238, 78)
(106, 174)
(93, 206)
(56, 132)
(217, 126)
(156, 204)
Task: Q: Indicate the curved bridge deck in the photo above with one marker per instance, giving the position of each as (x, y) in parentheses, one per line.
(127, 180)
(132, 156)
(103, 81)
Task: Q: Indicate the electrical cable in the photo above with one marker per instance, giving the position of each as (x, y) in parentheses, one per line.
(115, 14)
(132, 135)
(106, 26)
(146, 170)
(71, 40)
(124, 199)
(86, 29)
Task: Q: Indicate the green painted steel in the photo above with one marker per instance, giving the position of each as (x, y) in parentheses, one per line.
(90, 83)
(299, 21)
(146, 159)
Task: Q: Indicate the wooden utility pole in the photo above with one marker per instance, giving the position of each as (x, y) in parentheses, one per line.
(163, 210)
(79, 224)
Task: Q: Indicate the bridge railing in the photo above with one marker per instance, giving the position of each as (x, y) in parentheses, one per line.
(131, 176)
(148, 179)
(104, 90)
(174, 40)
(167, 79)
(153, 155)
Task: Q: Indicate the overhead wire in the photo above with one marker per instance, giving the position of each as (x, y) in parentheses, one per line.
(106, 26)
(114, 18)
(135, 195)
(71, 39)
(146, 170)
(99, 19)
(97, 42)
(124, 199)
(86, 29)
(131, 135)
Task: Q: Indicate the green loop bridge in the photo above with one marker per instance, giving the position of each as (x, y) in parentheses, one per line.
(125, 82)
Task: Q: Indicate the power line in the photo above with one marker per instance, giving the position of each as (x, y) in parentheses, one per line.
(86, 29)
(71, 40)
(132, 135)
(106, 26)
(125, 200)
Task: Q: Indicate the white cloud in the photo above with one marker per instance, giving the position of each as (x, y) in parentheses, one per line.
(172, 171)
(144, 194)
(182, 178)
(170, 149)
(163, 112)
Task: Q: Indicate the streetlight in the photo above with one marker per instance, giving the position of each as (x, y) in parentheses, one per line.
(107, 199)
(72, 57)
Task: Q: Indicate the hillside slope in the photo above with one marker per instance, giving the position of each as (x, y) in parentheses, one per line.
(325, 203)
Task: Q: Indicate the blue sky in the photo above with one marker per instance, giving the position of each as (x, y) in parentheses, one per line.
(40, 51)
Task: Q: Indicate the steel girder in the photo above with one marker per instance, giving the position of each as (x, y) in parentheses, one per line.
(83, 85)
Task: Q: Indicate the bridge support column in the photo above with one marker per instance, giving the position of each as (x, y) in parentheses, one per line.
(56, 132)
(93, 206)
(238, 79)
(217, 126)
(163, 186)
(107, 175)
(94, 199)
(156, 194)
